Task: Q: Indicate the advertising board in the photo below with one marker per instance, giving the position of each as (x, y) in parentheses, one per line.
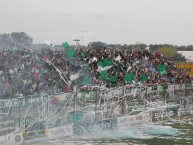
(24, 101)
(187, 67)
(58, 132)
(11, 139)
(11, 124)
(83, 128)
(133, 119)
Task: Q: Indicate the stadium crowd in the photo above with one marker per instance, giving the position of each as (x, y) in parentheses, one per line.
(146, 67)
(27, 72)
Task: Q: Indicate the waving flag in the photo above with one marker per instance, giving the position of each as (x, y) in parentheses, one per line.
(161, 69)
(118, 58)
(143, 78)
(94, 59)
(100, 63)
(69, 53)
(100, 69)
(107, 62)
(113, 79)
(66, 45)
(129, 77)
(74, 76)
(105, 65)
(103, 75)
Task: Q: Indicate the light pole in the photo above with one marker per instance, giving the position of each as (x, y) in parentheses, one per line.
(82, 37)
(87, 33)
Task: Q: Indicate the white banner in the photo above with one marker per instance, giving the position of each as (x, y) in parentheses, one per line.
(133, 119)
(11, 139)
(58, 132)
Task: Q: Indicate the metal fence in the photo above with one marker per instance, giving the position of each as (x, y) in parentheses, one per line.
(33, 114)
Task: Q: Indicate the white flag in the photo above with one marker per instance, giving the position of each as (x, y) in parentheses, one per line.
(74, 77)
(94, 59)
(129, 68)
(118, 58)
(103, 68)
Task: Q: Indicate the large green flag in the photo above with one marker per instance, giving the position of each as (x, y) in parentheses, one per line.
(100, 63)
(129, 77)
(66, 45)
(69, 53)
(161, 69)
(105, 63)
(113, 79)
(103, 75)
(143, 78)
(85, 80)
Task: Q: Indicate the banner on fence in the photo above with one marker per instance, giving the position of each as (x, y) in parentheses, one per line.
(133, 119)
(165, 112)
(58, 132)
(11, 124)
(24, 101)
(188, 86)
(82, 128)
(180, 87)
(11, 139)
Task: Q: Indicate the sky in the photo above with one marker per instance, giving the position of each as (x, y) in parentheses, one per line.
(109, 21)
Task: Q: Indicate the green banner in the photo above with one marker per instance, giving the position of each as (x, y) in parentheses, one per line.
(24, 101)
(11, 124)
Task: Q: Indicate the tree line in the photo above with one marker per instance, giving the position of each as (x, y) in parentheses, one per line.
(23, 40)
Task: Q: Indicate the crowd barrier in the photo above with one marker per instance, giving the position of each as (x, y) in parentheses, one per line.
(58, 132)
(24, 110)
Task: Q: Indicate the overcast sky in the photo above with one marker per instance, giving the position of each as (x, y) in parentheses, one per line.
(110, 21)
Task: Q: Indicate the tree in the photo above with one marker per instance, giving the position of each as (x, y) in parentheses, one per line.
(15, 39)
(97, 45)
(21, 38)
(167, 51)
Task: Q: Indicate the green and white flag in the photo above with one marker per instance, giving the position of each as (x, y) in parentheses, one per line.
(104, 65)
(143, 78)
(162, 69)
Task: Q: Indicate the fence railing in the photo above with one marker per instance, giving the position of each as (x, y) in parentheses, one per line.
(36, 111)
